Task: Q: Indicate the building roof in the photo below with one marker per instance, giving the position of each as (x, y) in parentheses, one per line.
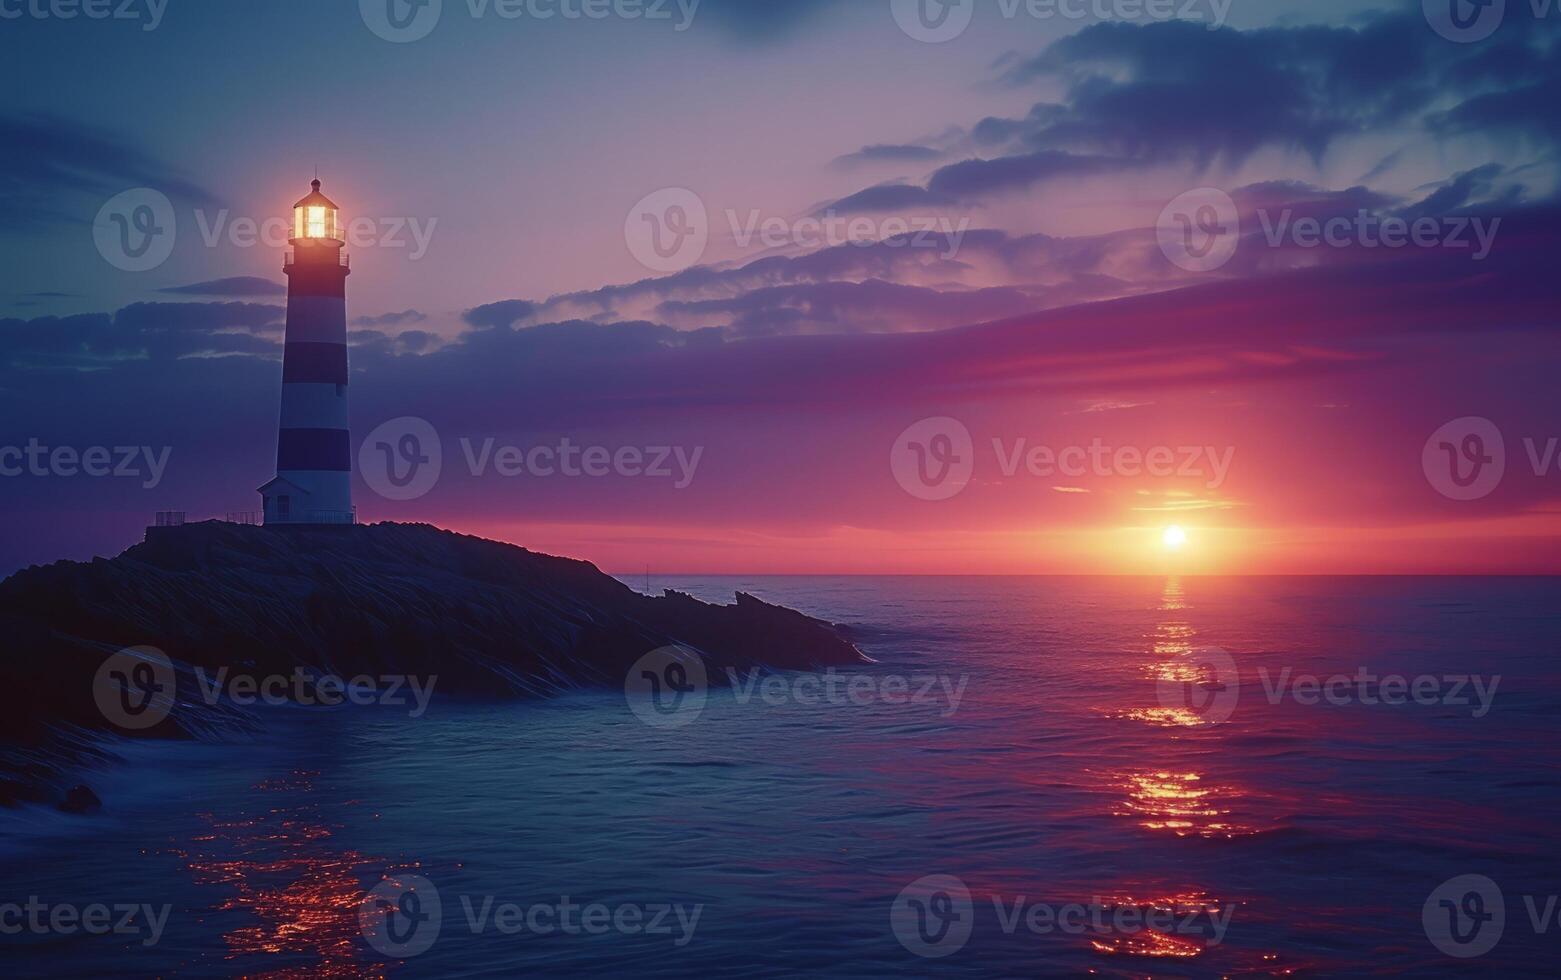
(286, 483)
(316, 199)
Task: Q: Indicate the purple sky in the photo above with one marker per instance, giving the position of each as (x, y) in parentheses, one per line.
(501, 171)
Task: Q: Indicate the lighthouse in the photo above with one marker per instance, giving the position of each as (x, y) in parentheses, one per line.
(313, 482)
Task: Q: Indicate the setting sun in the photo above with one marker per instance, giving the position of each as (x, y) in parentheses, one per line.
(1174, 538)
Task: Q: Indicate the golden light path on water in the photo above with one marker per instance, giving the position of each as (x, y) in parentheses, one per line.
(1173, 798)
(300, 893)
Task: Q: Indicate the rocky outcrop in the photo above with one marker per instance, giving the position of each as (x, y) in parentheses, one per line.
(489, 619)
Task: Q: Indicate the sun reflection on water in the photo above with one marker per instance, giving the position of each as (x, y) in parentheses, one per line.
(1182, 803)
(298, 895)
(1172, 797)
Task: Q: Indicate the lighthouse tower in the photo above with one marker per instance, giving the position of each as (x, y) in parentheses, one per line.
(313, 483)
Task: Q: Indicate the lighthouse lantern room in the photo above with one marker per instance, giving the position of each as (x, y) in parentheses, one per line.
(316, 218)
(313, 482)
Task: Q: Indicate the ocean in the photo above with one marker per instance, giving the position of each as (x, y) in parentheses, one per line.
(1118, 777)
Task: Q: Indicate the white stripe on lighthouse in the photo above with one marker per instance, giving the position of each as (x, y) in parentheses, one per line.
(314, 406)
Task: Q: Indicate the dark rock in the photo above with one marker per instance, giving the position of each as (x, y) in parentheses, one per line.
(80, 799)
(489, 619)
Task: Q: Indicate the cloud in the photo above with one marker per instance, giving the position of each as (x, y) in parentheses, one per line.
(45, 161)
(377, 342)
(888, 197)
(1139, 96)
(501, 314)
(232, 286)
(141, 332)
(977, 178)
(850, 307)
(889, 153)
(391, 319)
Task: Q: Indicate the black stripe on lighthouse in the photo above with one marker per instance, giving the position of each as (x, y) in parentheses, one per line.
(314, 449)
(306, 363)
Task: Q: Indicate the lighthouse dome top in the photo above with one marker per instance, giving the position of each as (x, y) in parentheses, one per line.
(316, 218)
(315, 199)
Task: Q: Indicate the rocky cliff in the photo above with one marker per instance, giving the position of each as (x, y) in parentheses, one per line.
(489, 619)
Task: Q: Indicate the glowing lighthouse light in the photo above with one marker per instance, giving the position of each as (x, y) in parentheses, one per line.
(316, 217)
